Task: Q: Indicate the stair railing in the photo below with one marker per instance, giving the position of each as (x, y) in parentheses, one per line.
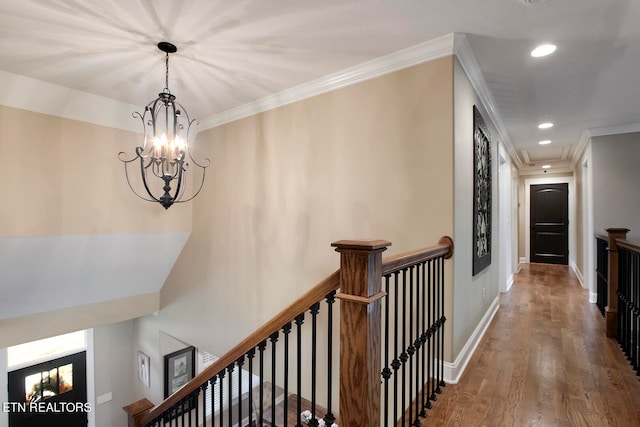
(602, 272)
(629, 301)
(622, 313)
(392, 361)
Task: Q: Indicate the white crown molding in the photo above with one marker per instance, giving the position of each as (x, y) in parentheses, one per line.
(587, 134)
(405, 58)
(464, 53)
(585, 137)
(614, 130)
(34, 95)
(537, 172)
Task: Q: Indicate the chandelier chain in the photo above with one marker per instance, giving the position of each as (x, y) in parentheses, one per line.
(166, 75)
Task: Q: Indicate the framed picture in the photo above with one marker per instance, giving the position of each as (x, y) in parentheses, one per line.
(481, 194)
(144, 370)
(179, 368)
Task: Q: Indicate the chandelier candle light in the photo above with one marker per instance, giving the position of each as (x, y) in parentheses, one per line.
(164, 153)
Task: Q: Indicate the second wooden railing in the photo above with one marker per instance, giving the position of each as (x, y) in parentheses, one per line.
(622, 311)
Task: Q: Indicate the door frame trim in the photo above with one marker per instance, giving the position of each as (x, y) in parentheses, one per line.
(572, 213)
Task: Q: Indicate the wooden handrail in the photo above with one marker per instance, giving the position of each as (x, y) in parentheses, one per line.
(395, 263)
(601, 236)
(628, 244)
(300, 306)
(287, 315)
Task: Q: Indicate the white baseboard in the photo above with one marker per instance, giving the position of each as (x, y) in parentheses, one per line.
(509, 283)
(453, 371)
(574, 267)
(593, 297)
(523, 260)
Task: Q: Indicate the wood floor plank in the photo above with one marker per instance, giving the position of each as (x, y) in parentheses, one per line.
(544, 361)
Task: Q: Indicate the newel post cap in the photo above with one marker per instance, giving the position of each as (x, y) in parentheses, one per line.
(360, 245)
(614, 230)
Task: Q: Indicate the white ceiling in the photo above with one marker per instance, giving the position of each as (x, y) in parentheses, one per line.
(231, 53)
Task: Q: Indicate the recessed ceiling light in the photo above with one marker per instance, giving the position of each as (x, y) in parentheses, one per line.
(546, 166)
(543, 50)
(545, 125)
(545, 142)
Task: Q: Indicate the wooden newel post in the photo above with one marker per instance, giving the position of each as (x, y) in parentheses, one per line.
(611, 311)
(136, 411)
(360, 331)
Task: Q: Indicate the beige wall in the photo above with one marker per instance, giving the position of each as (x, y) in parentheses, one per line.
(63, 178)
(373, 160)
(66, 178)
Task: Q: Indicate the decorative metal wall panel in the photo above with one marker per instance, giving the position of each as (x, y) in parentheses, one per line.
(481, 193)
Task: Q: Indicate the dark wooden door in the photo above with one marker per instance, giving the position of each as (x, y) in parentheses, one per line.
(550, 223)
(52, 394)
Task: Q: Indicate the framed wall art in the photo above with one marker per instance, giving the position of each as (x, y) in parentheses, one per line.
(481, 193)
(179, 368)
(144, 370)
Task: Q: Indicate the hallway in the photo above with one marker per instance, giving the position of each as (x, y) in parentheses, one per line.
(544, 361)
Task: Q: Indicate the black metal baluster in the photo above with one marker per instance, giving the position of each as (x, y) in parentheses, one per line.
(221, 395)
(636, 306)
(196, 403)
(315, 308)
(396, 362)
(273, 339)
(182, 411)
(239, 363)
(432, 326)
(633, 312)
(629, 297)
(230, 370)
(250, 355)
(410, 349)
(261, 347)
(629, 308)
(299, 323)
(438, 325)
(403, 355)
(632, 292)
(624, 307)
(193, 398)
(329, 418)
(417, 345)
(386, 372)
(423, 341)
(441, 321)
(213, 401)
(286, 330)
(204, 403)
(620, 328)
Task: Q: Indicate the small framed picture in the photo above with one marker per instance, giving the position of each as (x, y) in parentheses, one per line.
(144, 370)
(179, 368)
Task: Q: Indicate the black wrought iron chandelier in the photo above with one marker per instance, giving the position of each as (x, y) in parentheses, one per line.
(164, 157)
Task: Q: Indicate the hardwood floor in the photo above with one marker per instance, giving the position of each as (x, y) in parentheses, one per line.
(544, 361)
